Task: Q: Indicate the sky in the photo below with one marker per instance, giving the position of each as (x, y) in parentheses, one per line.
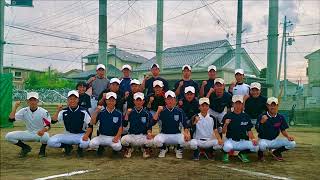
(131, 26)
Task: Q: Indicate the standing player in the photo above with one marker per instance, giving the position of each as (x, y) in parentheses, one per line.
(205, 134)
(190, 104)
(237, 126)
(185, 82)
(239, 88)
(37, 121)
(140, 131)
(269, 126)
(77, 126)
(98, 83)
(147, 83)
(135, 87)
(208, 84)
(256, 103)
(84, 98)
(110, 126)
(171, 118)
(156, 98)
(125, 85)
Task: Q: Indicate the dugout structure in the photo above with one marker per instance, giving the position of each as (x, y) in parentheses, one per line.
(5, 99)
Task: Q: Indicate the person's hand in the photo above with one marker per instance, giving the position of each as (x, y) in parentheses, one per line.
(211, 90)
(220, 141)
(99, 108)
(290, 138)
(232, 85)
(204, 83)
(254, 142)
(196, 120)
(59, 108)
(126, 94)
(187, 136)
(151, 99)
(264, 119)
(41, 132)
(85, 138)
(180, 103)
(17, 104)
(116, 139)
(149, 136)
(160, 109)
(227, 121)
(181, 83)
(92, 79)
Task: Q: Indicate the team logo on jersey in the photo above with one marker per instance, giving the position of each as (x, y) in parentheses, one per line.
(115, 119)
(143, 120)
(244, 123)
(176, 117)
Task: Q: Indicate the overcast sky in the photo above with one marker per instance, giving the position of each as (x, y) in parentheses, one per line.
(78, 20)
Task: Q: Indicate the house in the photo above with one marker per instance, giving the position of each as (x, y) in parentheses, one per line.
(313, 73)
(20, 75)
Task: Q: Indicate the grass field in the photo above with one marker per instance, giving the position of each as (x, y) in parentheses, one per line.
(300, 163)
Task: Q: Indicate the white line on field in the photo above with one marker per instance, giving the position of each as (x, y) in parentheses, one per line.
(66, 174)
(255, 173)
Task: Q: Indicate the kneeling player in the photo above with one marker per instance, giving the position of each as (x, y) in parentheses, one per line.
(269, 126)
(140, 130)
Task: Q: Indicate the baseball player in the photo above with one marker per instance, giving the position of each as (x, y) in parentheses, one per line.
(239, 88)
(37, 121)
(135, 87)
(256, 103)
(205, 134)
(269, 126)
(110, 126)
(172, 117)
(237, 126)
(84, 98)
(147, 83)
(98, 83)
(208, 84)
(140, 131)
(156, 98)
(125, 84)
(77, 126)
(185, 82)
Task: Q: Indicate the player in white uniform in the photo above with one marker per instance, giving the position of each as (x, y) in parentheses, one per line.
(239, 88)
(37, 122)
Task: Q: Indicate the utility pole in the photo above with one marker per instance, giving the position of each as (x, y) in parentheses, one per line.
(103, 56)
(281, 52)
(2, 4)
(159, 38)
(272, 55)
(82, 64)
(239, 32)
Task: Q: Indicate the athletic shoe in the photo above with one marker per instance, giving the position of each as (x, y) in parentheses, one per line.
(162, 153)
(24, 151)
(225, 157)
(146, 152)
(179, 153)
(243, 157)
(128, 152)
(261, 156)
(196, 155)
(80, 152)
(68, 149)
(277, 155)
(100, 151)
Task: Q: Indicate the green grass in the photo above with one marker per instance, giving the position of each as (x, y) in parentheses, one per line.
(300, 163)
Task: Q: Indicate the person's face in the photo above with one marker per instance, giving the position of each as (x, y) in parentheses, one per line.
(239, 77)
(212, 74)
(111, 102)
(135, 88)
(126, 72)
(100, 72)
(255, 92)
(238, 107)
(73, 101)
(170, 102)
(139, 103)
(157, 90)
(186, 73)
(273, 108)
(219, 88)
(155, 71)
(32, 103)
(204, 108)
(189, 96)
(82, 89)
(114, 87)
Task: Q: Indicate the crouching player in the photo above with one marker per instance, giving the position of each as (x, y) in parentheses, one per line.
(237, 126)
(171, 117)
(205, 133)
(110, 126)
(140, 130)
(269, 126)
(37, 121)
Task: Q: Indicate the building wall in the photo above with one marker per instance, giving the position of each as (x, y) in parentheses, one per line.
(313, 71)
(20, 76)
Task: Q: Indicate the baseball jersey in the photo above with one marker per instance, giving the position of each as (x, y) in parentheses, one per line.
(186, 84)
(110, 122)
(255, 106)
(239, 126)
(140, 121)
(190, 108)
(171, 120)
(272, 127)
(119, 101)
(149, 84)
(75, 120)
(84, 101)
(125, 84)
(219, 103)
(210, 84)
(35, 120)
(130, 101)
(158, 101)
(205, 126)
(241, 89)
(98, 85)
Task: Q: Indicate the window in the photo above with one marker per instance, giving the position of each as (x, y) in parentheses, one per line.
(17, 74)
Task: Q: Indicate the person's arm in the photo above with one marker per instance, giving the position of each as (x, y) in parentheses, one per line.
(55, 117)
(150, 101)
(178, 87)
(87, 120)
(252, 138)
(126, 117)
(157, 114)
(283, 127)
(285, 134)
(12, 116)
(95, 115)
(143, 84)
(46, 124)
(226, 122)
(89, 82)
(117, 137)
(210, 92)
(203, 85)
(215, 130)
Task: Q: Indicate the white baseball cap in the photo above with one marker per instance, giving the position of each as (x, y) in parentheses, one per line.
(255, 85)
(241, 71)
(204, 100)
(135, 81)
(237, 98)
(126, 66)
(219, 80)
(111, 94)
(189, 89)
(32, 95)
(73, 92)
(100, 66)
(114, 80)
(138, 95)
(155, 65)
(186, 66)
(157, 83)
(272, 100)
(170, 93)
(212, 67)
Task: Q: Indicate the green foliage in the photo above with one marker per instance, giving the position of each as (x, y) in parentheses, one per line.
(48, 81)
